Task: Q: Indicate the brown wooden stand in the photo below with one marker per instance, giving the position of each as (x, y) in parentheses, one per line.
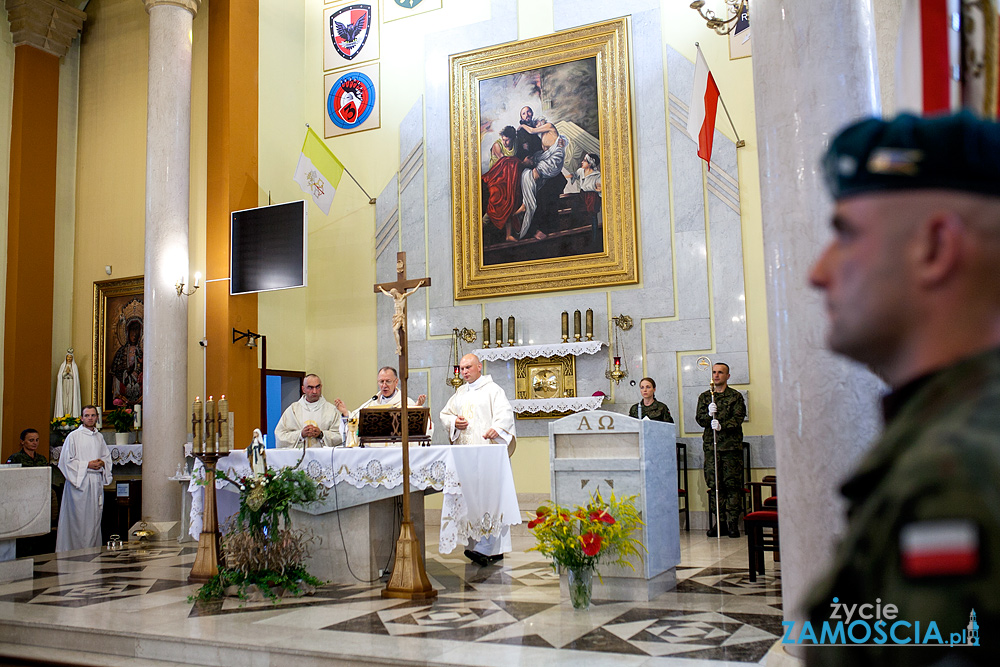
(206, 563)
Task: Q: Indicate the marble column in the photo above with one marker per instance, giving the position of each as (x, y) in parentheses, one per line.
(814, 70)
(168, 134)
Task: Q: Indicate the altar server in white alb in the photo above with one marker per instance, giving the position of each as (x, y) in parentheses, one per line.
(86, 463)
(311, 421)
(388, 396)
(480, 414)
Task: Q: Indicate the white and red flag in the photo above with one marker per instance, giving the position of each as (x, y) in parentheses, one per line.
(704, 104)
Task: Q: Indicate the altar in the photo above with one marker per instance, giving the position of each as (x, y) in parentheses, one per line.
(358, 521)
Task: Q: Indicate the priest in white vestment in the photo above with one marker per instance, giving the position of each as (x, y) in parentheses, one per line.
(478, 413)
(86, 463)
(388, 396)
(311, 421)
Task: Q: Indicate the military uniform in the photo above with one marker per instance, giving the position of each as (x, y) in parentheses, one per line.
(27, 461)
(938, 461)
(731, 410)
(657, 412)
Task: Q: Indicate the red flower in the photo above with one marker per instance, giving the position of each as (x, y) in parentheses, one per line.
(591, 543)
(564, 516)
(603, 517)
(535, 522)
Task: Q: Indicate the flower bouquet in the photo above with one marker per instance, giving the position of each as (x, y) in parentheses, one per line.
(580, 538)
(121, 417)
(64, 424)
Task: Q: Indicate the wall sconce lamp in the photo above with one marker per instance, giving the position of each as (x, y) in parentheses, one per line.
(619, 370)
(181, 284)
(249, 335)
(469, 336)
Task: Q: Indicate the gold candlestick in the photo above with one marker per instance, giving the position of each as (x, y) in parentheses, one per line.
(209, 556)
(197, 418)
(565, 326)
(499, 332)
(209, 444)
(576, 326)
(223, 425)
(510, 331)
(486, 333)
(590, 324)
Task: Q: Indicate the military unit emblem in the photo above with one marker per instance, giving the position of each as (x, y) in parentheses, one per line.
(349, 29)
(351, 100)
(408, 4)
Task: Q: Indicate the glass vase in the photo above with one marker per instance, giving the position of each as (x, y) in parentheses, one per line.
(581, 586)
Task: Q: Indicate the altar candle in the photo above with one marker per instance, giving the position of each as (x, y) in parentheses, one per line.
(209, 430)
(223, 425)
(197, 419)
(137, 416)
(510, 330)
(590, 324)
(499, 332)
(565, 326)
(486, 333)
(576, 325)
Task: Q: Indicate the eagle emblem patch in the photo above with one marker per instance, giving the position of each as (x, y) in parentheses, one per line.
(349, 29)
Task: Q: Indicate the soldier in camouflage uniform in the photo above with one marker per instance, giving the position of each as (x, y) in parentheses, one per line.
(654, 409)
(722, 414)
(911, 291)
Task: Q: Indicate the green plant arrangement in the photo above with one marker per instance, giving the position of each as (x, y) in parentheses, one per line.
(580, 538)
(263, 555)
(121, 417)
(65, 423)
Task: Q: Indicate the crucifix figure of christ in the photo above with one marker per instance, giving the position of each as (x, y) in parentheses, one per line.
(409, 578)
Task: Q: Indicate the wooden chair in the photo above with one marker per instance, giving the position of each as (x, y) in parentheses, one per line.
(764, 516)
(682, 483)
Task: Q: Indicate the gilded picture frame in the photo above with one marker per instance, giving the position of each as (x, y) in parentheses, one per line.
(545, 377)
(516, 228)
(118, 336)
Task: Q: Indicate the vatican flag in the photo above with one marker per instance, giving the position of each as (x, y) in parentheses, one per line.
(319, 171)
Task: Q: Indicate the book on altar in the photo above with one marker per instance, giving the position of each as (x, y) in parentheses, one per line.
(380, 426)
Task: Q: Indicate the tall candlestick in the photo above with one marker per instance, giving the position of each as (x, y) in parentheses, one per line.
(486, 333)
(565, 326)
(197, 418)
(590, 324)
(208, 445)
(576, 325)
(510, 331)
(223, 422)
(499, 332)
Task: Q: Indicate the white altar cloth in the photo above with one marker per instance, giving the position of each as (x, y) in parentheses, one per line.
(476, 480)
(120, 454)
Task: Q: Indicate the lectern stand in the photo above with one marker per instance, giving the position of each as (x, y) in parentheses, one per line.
(611, 452)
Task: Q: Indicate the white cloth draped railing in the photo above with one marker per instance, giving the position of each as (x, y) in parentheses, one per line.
(476, 481)
(120, 454)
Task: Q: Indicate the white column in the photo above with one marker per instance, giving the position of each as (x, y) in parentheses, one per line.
(814, 70)
(168, 135)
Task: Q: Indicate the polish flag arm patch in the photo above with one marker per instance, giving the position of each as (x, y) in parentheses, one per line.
(940, 548)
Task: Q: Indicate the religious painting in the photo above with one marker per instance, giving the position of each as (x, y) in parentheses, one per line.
(400, 9)
(352, 100)
(118, 342)
(542, 164)
(739, 38)
(350, 34)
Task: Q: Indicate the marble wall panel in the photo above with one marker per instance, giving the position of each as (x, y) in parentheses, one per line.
(692, 274)
(411, 131)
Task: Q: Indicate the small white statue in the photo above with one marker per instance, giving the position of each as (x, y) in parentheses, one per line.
(256, 453)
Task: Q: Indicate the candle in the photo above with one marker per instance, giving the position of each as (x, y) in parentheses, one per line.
(499, 332)
(456, 370)
(618, 361)
(209, 430)
(590, 324)
(486, 333)
(223, 425)
(137, 416)
(510, 330)
(565, 326)
(576, 325)
(197, 418)
(100, 418)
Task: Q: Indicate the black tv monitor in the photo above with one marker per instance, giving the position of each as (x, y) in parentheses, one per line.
(268, 250)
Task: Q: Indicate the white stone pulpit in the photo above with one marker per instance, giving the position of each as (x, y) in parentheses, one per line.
(25, 511)
(612, 452)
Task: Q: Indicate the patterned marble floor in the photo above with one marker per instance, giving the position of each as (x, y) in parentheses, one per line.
(503, 614)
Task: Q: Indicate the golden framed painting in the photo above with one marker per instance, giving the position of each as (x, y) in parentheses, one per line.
(542, 175)
(118, 341)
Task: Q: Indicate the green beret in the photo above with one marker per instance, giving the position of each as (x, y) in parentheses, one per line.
(956, 152)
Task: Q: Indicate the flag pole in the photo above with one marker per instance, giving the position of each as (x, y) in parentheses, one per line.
(740, 143)
(371, 200)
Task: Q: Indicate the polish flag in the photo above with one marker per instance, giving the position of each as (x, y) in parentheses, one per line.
(939, 548)
(928, 53)
(704, 103)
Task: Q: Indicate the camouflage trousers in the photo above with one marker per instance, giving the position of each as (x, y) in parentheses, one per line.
(731, 488)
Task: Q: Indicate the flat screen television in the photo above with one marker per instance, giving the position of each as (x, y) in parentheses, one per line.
(268, 249)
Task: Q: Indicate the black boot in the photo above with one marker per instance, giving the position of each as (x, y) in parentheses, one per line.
(734, 529)
(714, 530)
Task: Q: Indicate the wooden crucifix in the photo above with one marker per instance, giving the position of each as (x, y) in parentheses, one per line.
(409, 578)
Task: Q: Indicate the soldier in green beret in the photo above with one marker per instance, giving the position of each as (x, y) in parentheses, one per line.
(911, 290)
(721, 412)
(649, 407)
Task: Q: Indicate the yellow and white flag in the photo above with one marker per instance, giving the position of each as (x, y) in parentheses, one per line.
(319, 171)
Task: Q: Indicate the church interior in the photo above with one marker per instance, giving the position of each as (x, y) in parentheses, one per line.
(130, 130)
